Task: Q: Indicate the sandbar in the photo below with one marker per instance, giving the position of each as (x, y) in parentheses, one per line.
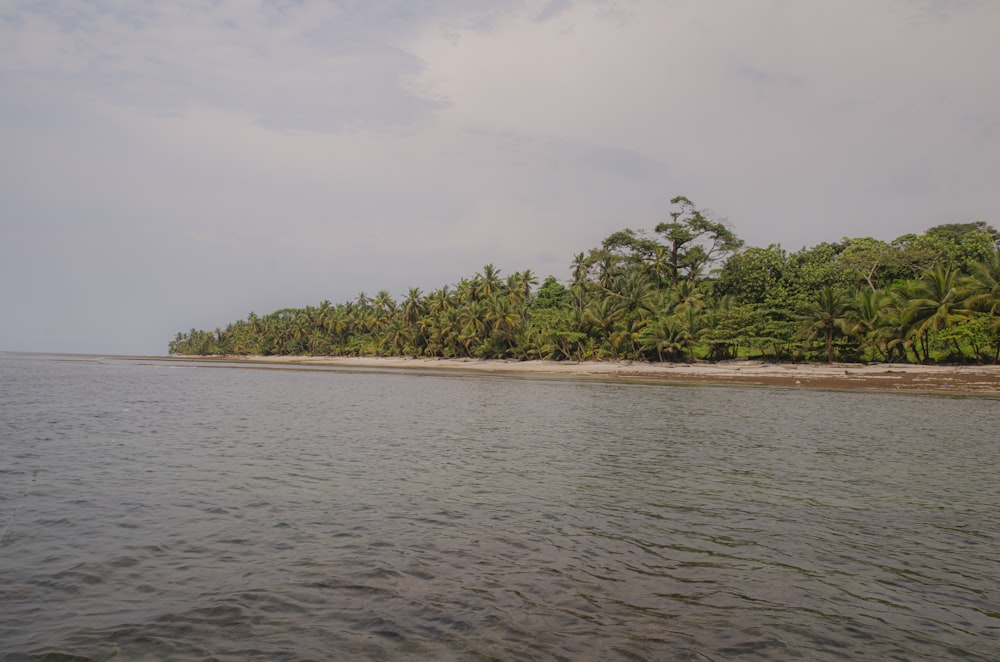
(943, 379)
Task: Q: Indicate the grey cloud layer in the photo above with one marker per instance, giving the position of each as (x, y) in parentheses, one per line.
(174, 164)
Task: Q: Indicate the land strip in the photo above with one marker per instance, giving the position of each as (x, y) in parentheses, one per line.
(979, 380)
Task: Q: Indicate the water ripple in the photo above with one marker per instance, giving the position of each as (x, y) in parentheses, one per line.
(289, 515)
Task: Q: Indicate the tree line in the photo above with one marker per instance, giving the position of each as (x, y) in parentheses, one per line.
(688, 290)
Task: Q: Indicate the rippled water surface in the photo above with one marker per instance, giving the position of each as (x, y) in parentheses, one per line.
(164, 510)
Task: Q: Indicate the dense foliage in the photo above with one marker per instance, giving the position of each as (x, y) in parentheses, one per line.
(688, 290)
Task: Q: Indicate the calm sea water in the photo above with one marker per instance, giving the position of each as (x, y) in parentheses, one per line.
(163, 510)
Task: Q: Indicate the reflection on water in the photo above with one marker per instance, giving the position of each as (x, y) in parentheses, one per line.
(172, 511)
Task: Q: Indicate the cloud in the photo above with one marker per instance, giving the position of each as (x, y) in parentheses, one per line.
(768, 78)
(232, 156)
(553, 8)
(939, 10)
(305, 66)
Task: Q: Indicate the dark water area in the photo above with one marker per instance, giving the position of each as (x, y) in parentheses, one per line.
(161, 510)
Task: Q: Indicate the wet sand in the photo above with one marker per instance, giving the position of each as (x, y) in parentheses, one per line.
(980, 380)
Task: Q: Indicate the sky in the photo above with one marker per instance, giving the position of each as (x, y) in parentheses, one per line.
(169, 165)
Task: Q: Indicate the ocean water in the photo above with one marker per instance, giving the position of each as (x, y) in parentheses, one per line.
(158, 510)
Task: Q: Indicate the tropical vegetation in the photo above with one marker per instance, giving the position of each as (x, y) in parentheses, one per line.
(689, 290)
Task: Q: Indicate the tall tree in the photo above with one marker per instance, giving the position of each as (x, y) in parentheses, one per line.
(488, 282)
(755, 275)
(693, 241)
(983, 287)
(935, 303)
(864, 318)
(824, 315)
(875, 262)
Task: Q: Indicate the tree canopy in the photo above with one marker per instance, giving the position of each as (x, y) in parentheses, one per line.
(688, 290)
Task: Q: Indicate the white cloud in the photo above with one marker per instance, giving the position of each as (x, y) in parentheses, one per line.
(749, 105)
(239, 156)
(314, 66)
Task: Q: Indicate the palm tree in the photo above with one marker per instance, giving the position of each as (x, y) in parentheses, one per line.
(580, 267)
(504, 321)
(397, 337)
(936, 302)
(635, 300)
(413, 306)
(688, 293)
(449, 329)
(607, 271)
(488, 282)
(519, 286)
(668, 336)
(384, 302)
(636, 296)
(983, 286)
(439, 300)
(692, 315)
(824, 315)
(301, 329)
(601, 315)
(890, 332)
(465, 291)
(657, 266)
(983, 292)
(864, 318)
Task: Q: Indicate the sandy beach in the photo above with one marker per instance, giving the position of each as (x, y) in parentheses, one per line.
(979, 380)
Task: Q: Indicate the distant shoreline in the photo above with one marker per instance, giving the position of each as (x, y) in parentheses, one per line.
(969, 380)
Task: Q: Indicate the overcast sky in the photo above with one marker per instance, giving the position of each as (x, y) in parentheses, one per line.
(168, 165)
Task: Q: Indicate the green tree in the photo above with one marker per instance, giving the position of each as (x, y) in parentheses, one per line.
(693, 241)
(960, 244)
(824, 315)
(600, 318)
(983, 287)
(667, 338)
(812, 269)
(982, 290)
(935, 303)
(487, 283)
(870, 260)
(552, 294)
(729, 328)
(864, 318)
(755, 275)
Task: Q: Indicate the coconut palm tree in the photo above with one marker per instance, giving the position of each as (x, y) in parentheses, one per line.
(397, 337)
(667, 336)
(936, 302)
(581, 268)
(635, 295)
(440, 300)
(864, 317)
(983, 286)
(413, 306)
(983, 292)
(488, 282)
(504, 320)
(384, 303)
(825, 315)
(890, 332)
(601, 315)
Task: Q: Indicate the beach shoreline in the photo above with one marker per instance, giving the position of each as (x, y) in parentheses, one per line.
(968, 380)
